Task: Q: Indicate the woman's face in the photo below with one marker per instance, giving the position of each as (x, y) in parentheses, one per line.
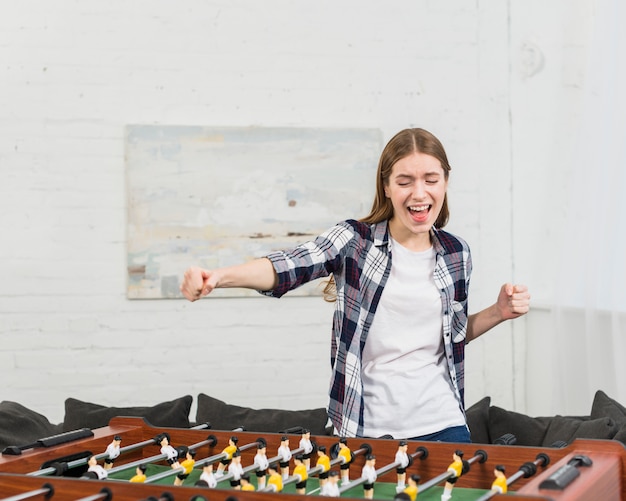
(416, 188)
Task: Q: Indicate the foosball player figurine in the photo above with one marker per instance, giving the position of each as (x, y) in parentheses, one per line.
(140, 474)
(456, 467)
(171, 454)
(284, 454)
(208, 477)
(275, 480)
(261, 462)
(499, 484)
(346, 458)
(187, 465)
(307, 446)
(369, 474)
(112, 451)
(95, 469)
(412, 486)
(300, 471)
(403, 459)
(229, 450)
(331, 488)
(236, 470)
(323, 461)
(246, 485)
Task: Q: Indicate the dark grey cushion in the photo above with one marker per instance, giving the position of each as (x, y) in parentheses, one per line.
(605, 406)
(173, 414)
(223, 416)
(621, 434)
(529, 431)
(567, 429)
(22, 426)
(478, 421)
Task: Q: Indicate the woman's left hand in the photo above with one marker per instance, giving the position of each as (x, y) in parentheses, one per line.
(513, 301)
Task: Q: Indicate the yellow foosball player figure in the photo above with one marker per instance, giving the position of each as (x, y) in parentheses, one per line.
(275, 480)
(331, 488)
(412, 486)
(140, 474)
(370, 476)
(323, 461)
(346, 458)
(246, 485)
(301, 472)
(456, 467)
(499, 484)
(229, 450)
(187, 465)
(112, 451)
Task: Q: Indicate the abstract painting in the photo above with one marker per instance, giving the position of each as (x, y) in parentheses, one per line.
(218, 196)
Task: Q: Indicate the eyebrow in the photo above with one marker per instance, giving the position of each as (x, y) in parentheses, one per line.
(427, 174)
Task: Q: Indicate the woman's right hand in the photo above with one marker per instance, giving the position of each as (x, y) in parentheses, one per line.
(198, 282)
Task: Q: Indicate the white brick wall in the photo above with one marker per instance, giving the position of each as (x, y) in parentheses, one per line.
(73, 73)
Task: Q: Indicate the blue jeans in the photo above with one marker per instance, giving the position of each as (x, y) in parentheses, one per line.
(454, 434)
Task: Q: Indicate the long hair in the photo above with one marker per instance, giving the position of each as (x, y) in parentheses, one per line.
(403, 144)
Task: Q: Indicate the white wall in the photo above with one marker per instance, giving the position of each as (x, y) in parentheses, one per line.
(73, 73)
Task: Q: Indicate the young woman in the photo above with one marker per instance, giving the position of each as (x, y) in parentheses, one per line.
(400, 287)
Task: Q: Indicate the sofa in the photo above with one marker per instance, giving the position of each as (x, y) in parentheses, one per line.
(488, 424)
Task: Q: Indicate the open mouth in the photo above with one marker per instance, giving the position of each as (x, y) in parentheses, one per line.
(419, 213)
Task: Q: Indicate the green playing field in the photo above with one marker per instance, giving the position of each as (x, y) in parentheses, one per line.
(382, 490)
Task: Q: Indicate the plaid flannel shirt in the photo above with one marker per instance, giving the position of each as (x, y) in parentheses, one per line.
(359, 258)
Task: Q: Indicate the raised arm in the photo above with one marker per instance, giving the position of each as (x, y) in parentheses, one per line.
(258, 274)
(513, 301)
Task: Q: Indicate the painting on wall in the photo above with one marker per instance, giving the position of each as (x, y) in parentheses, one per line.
(218, 196)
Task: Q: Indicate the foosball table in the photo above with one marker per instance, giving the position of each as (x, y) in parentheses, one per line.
(57, 468)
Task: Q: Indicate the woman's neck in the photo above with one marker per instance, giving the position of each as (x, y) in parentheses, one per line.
(416, 242)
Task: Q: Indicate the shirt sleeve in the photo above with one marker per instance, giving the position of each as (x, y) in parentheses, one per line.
(309, 261)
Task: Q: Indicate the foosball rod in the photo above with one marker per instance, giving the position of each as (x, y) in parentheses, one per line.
(421, 452)
(526, 470)
(202, 462)
(105, 494)
(83, 461)
(479, 455)
(46, 490)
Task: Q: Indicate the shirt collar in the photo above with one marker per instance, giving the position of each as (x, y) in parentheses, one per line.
(381, 233)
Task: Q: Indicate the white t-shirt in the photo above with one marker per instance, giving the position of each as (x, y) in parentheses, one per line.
(406, 386)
